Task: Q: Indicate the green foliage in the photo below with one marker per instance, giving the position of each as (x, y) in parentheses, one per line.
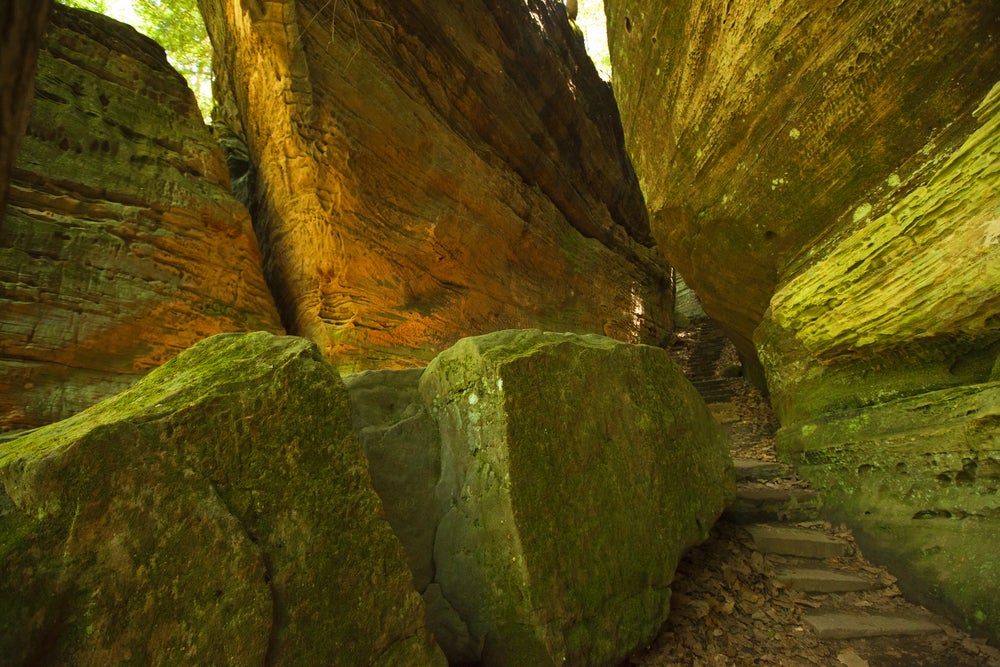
(178, 27)
(93, 5)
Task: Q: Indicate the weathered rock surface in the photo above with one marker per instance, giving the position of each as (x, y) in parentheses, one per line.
(218, 512)
(400, 439)
(572, 473)
(121, 245)
(21, 28)
(756, 130)
(826, 176)
(919, 478)
(880, 357)
(905, 299)
(429, 170)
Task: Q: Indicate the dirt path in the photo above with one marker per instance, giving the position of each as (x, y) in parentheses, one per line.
(748, 596)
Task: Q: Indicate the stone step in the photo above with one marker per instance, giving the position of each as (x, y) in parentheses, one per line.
(840, 625)
(723, 393)
(820, 580)
(703, 370)
(725, 413)
(711, 384)
(756, 504)
(712, 390)
(752, 469)
(802, 542)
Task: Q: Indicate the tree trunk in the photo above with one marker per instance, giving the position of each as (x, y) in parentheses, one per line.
(21, 26)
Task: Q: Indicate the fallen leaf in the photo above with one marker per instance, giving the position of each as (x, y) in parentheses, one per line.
(850, 658)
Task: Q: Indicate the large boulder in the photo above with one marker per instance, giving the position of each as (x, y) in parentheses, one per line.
(565, 477)
(218, 512)
(121, 245)
(421, 171)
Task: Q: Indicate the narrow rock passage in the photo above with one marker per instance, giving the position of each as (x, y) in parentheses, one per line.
(775, 584)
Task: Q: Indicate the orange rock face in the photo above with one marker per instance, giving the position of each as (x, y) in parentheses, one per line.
(424, 171)
(121, 245)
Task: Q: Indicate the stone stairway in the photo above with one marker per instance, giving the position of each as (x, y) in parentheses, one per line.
(815, 563)
(776, 584)
(703, 362)
(768, 491)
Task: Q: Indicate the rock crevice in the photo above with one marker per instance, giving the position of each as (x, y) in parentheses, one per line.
(425, 172)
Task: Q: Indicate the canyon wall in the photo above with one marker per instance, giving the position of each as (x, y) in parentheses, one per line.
(756, 130)
(424, 171)
(121, 245)
(825, 176)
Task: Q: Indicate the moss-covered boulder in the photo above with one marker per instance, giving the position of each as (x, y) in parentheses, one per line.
(575, 470)
(218, 512)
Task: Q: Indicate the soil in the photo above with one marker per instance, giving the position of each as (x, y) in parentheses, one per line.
(728, 608)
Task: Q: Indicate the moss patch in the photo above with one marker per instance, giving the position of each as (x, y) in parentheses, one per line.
(220, 511)
(576, 470)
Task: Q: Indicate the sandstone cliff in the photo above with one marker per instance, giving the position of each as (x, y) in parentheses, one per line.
(756, 129)
(121, 245)
(881, 354)
(427, 170)
(826, 176)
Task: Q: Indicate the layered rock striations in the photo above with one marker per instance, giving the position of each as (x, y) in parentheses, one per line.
(825, 175)
(218, 512)
(881, 355)
(755, 129)
(545, 486)
(425, 170)
(121, 245)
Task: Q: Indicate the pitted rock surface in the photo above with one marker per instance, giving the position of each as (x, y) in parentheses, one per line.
(121, 245)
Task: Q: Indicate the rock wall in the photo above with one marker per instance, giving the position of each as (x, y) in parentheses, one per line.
(825, 176)
(755, 130)
(882, 356)
(121, 245)
(427, 170)
(544, 486)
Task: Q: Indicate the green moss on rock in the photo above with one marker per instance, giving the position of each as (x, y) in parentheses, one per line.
(575, 470)
(218, 512)
(919, 479)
